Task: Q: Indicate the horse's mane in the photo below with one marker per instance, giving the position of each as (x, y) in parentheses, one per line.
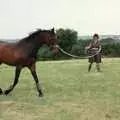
(32, 35)
(36, 32)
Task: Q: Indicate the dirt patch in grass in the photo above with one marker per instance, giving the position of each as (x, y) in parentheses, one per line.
(88, 111)
(7, 103)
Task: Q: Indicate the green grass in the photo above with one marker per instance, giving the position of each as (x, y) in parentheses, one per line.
(70, 92)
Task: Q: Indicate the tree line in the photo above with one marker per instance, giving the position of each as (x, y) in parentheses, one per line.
(69, 40)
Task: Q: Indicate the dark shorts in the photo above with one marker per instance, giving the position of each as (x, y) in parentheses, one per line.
(96, 58)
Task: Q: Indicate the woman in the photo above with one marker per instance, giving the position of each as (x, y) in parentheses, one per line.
(92, 49)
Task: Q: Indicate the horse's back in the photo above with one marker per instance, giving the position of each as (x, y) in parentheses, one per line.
(8, 53)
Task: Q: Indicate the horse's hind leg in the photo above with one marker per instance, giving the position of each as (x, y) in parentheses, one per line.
(17, 74)
(1, 92)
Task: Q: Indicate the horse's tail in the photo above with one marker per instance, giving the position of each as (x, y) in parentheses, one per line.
(1, 92)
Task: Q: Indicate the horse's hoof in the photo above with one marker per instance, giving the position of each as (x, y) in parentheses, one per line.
(40, 94)
(1, 92)
(6, 92)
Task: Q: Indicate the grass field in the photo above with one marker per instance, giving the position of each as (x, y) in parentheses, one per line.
(70, 92)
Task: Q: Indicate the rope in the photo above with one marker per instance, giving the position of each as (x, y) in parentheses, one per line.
(74, 56)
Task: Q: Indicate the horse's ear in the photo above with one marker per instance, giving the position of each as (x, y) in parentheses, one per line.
(37, 29)
(52, 30)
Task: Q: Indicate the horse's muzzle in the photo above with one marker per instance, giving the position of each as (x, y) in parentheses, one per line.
(54, 49)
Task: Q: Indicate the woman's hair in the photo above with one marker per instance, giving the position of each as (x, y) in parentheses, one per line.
(96, 35)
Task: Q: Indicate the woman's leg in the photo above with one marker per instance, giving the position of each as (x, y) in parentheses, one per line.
(98, 61)
(98, 67)
(90, 66)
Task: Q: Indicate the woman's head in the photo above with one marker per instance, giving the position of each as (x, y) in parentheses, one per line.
(96, 37)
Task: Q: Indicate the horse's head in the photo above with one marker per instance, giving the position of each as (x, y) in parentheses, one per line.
(51, 42)
(48, 37)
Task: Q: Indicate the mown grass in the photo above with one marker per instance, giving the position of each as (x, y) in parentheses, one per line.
(70, 92)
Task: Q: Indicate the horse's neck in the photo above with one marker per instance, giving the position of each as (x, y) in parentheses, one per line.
(29, 48)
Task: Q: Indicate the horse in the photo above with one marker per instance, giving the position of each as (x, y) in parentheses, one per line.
(23, 53)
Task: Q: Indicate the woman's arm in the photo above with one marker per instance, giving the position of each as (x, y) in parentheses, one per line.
(88, 47)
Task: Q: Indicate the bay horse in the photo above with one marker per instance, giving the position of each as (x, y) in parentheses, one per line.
(24, 54)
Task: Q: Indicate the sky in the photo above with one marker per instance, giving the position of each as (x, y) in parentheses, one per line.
(19, 17)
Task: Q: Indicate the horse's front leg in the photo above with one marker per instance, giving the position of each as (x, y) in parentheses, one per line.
(17, 74)
(33, 72)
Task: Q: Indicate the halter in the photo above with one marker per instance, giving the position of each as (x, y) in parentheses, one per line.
(74, 56)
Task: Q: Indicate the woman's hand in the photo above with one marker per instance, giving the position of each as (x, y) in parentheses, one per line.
(94, 48)
(87, 47)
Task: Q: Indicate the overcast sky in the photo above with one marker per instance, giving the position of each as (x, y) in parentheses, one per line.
(19, 17)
